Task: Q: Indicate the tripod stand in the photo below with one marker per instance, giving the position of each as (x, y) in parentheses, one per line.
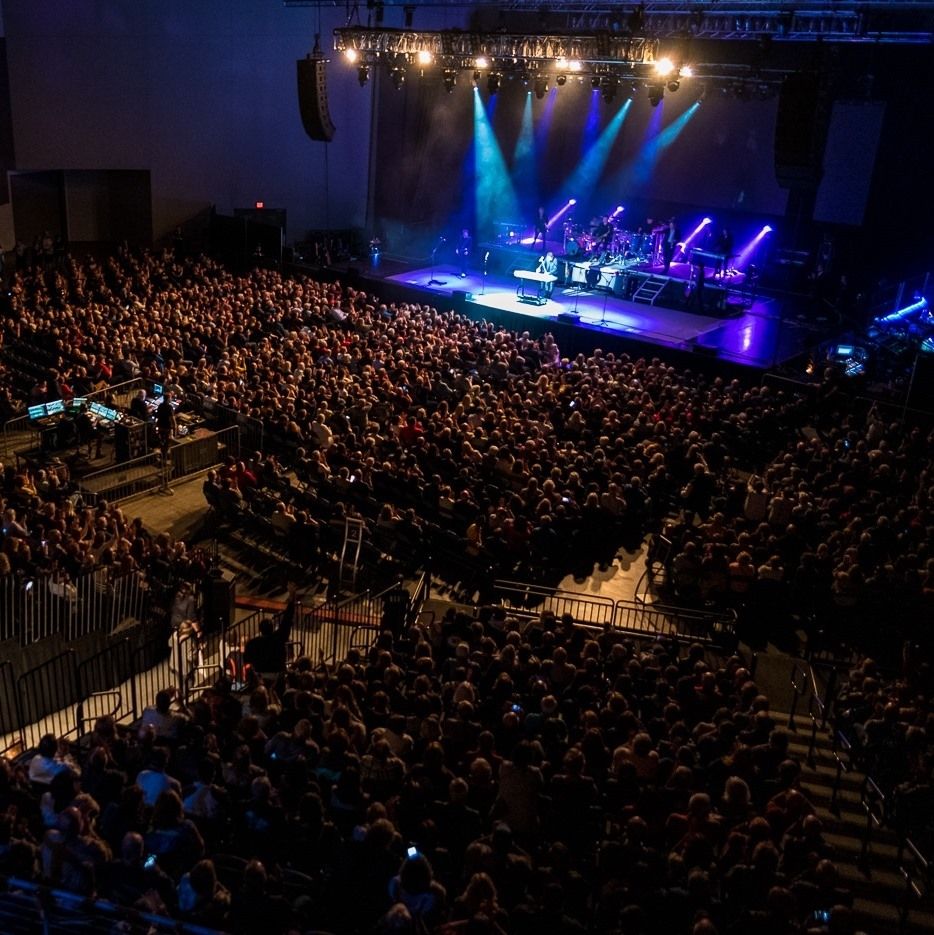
(431, 279)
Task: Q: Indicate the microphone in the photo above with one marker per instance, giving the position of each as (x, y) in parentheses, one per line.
(486, 256)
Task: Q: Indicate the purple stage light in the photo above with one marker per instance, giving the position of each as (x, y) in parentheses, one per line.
(683, 247)
(571, 202)
(619, 210)
(746, 254)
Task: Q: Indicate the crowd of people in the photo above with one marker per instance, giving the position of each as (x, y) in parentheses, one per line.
(469, 777)
(531, 457)
(478, 777)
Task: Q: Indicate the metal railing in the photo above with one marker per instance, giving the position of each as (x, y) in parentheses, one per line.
(520, 596)
(804, 684)
(47, 605)
(148, 473)
(636, 617)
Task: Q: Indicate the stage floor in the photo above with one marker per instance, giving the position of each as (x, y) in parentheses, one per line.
(755, 334)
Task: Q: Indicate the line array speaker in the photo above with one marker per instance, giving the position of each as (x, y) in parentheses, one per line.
(313, 98)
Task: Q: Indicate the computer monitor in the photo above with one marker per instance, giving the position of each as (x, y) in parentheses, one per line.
(99, 409)
(55, 407)
(77, 403)
(37, 412)
(157, 389)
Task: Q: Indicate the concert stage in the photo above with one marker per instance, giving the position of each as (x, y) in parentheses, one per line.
(745, 329)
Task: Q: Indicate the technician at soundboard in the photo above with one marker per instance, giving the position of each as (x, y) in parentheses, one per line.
(165, 421)
(138, 408)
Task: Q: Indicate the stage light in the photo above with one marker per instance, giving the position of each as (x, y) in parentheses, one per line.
(561, 62)
(575, 64)
(351, 55)
(664, 67)
(363, 75)
(674, 84)
(477, 75)
(608, 89)
(618, 211)
(482, 62)
(398, 77)
(561, 80)
(450, 79)
(687, 71)
(656, 93)
(541, 86)
(707, 221)
(595, 82)
(767, 229)
(492, 83)
(572, 201)
(423, 57)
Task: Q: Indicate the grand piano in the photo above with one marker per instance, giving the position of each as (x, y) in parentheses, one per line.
(541, 279)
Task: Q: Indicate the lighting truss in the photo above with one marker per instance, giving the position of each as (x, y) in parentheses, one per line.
(876, 21)
(499, 47)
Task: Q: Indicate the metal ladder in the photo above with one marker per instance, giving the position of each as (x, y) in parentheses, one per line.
(354, 528)
(650, 290)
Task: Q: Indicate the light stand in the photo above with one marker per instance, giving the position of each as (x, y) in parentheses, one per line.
(431, 279)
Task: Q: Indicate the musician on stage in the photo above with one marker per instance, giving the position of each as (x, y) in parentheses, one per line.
(547, 264)
(464, 250)
(541, 227)
(669, 244)
(602, 233)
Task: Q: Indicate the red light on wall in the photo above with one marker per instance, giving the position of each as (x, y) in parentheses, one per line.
(260, 204)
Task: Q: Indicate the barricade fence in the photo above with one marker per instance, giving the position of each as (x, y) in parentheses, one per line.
(65, 696)
(46, 605)
(636, 617)
(150, 472)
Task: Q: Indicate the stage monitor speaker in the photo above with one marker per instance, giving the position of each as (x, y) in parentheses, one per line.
(703, 351)
(313, 98)
(799, 137)
(461, 296)
(569, 318)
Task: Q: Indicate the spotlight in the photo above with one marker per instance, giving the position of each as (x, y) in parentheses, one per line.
(561, 80)
(595, 82)
(477, 75)
(687, 71)
(707, 221)
(450, 79)
(541, 86)
(492, 83)
(398, 77)
(363, 75)
(674, 84)
(561, 62)
(767, 229)
(656, 93)
(575, 64)
(664, 67)
(572, 201)
(423, 57)
(608, 89)
(482, 62)
(351, 55)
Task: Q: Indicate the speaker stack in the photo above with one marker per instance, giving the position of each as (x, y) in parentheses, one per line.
(313, 98)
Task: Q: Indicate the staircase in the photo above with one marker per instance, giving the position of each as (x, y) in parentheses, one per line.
(650, 289)
(874, 876)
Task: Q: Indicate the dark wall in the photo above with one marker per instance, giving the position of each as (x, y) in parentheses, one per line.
(202, 94)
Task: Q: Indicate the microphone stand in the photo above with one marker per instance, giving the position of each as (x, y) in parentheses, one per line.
(486, 257)
(431, 279)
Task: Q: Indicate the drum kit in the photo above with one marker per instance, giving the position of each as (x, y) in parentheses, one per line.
(580, 244)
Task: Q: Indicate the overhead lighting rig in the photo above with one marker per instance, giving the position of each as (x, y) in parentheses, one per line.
(467, 47)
